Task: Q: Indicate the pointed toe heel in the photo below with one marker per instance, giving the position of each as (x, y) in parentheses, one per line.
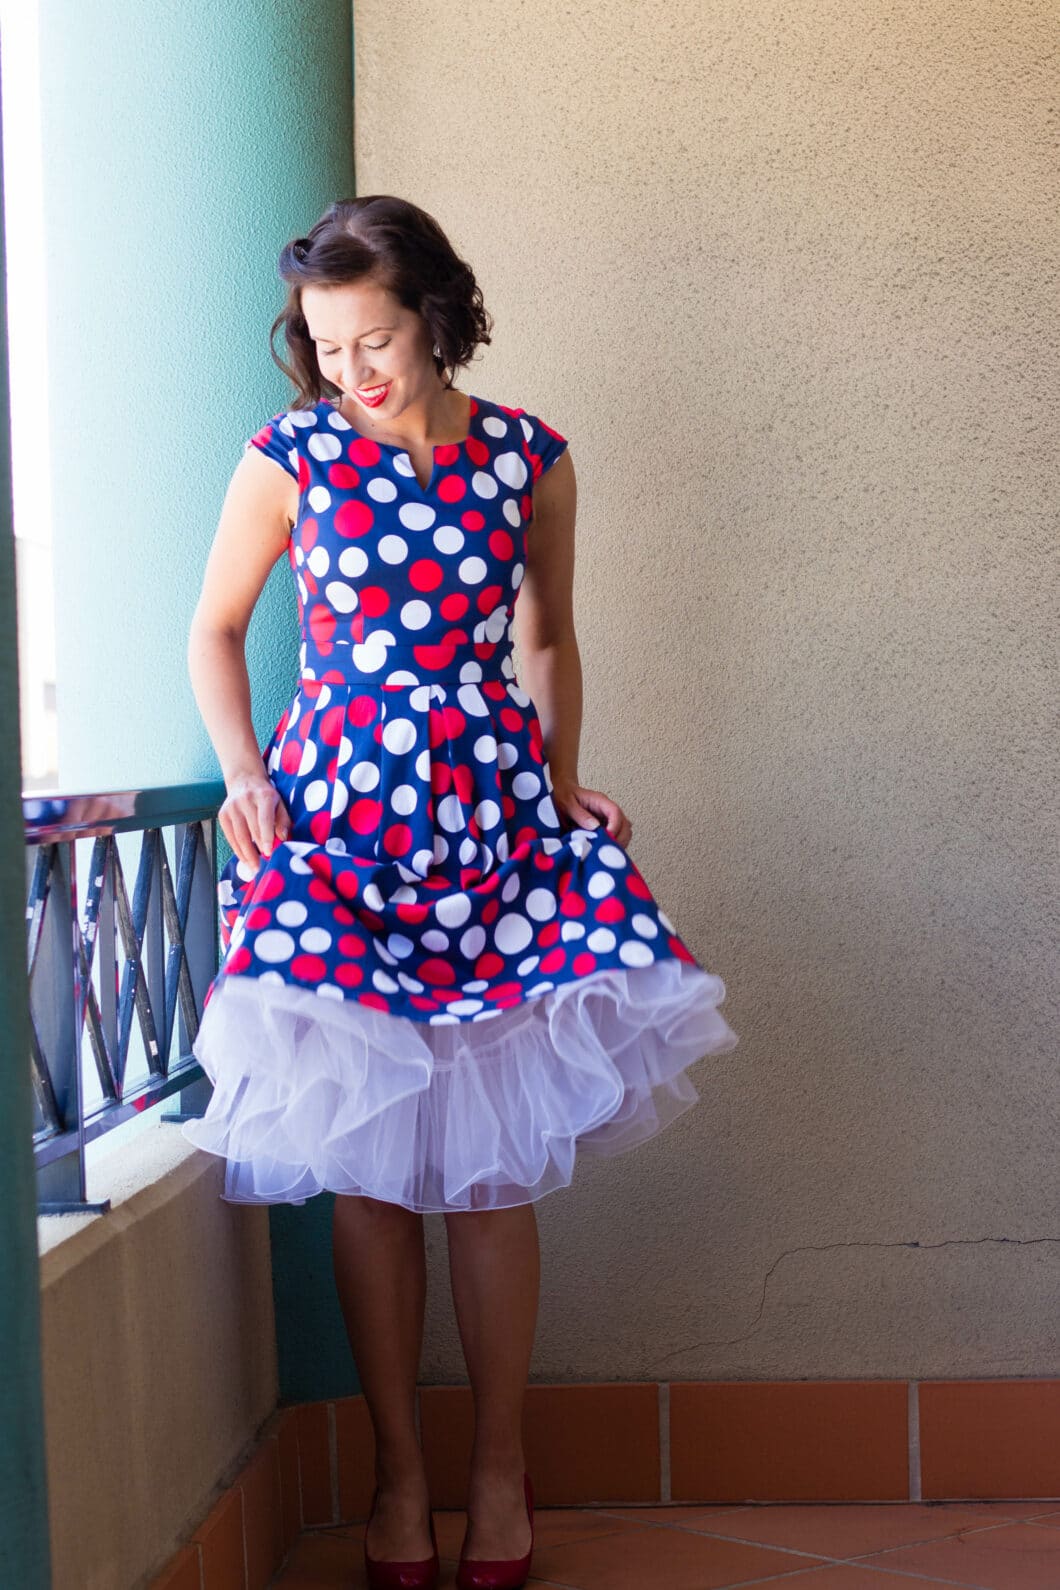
(420, 1575)
(474, 1573)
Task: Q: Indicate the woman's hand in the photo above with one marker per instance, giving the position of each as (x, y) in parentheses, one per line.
(588, 807)
(252, 816)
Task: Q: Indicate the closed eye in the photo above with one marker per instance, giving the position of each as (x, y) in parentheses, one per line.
(375, 347)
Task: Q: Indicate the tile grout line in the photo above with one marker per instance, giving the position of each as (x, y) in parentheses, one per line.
(664, 1442)
(913, 1419)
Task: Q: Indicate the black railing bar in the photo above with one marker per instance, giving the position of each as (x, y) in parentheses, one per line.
(118, 811)
(49, 1144)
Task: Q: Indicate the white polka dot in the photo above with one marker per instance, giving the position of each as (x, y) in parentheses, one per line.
(612, 856)
(380, 489)
(599, 884)
(330, 991)
(404, 800)
(526, 785)
(472, 943)
(511, 468)
(472, 570)
(512, 933)
(353, 562)
(364, 776)
(416, 515)
(634, 953)
(485, 748)
(399, 735)
(416, 614)
(511, 512)
(319, 498)
(487, 814)
(452, 910)
(371, 654)
(450, 814)
(400, 946)
(601, 941)
(338, 421)
(318, 561)
(324, 447)
(463, 1007)
(273, 945)
(493, 425)
(315, 794)
(291, 913)
(644, 925)
(393, 549)
(447, 538)
(315, 940)
(435, 941)
(473, 701)
(546, 812)
(342, 597)
(483, 485)
(541, 904)
(384, 983)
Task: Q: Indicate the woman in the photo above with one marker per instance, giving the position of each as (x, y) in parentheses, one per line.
(442, 971)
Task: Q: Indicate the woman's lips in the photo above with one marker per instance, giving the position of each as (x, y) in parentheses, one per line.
(373, 395)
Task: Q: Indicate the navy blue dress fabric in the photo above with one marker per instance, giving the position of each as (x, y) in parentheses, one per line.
(430, 896)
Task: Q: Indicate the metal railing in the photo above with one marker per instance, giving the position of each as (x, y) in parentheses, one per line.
(116, 980)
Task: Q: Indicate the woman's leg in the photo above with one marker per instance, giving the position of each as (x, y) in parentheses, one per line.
(381, 1276)
(495, 1269)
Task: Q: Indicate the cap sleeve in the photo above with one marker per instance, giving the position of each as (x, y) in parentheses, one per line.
(543, 444)
(277, 440)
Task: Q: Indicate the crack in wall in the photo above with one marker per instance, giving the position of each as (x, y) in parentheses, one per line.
(827, 1247)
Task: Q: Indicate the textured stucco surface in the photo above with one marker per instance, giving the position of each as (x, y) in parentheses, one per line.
(786, 277)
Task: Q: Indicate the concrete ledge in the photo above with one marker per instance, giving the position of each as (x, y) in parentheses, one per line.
(159, 1357)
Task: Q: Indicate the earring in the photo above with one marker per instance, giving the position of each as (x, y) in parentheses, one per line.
(437, 351)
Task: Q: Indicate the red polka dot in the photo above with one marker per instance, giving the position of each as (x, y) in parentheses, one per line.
(322, 626)
(553, 960)
(239, 959)
(435, 970)
(309, 968)
(365, 815)
(425, 575)
(374, 600)
(258, 917)
(349, 975)
(451, 488)
(353, 518)
(364, 452)
(361, 710)
(397, 841)
(343, 477)
(453, 606)
(471, 519)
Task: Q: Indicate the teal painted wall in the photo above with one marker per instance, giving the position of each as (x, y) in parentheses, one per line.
(184, 144)
(23, 1477)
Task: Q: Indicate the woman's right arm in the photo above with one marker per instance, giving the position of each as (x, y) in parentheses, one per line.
(260, 508)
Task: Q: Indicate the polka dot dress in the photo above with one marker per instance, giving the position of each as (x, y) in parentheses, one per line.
(436, 990)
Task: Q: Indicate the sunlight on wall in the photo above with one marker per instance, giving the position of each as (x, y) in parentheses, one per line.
(31, 480)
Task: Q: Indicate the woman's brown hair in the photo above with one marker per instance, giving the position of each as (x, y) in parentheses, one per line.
(398, 245)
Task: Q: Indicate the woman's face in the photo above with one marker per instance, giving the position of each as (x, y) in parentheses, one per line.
(377, 352)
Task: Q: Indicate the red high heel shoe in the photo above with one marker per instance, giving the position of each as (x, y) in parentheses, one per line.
(420, 1575)
(475, 1573)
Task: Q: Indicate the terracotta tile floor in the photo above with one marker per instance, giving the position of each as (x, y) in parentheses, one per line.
(884, 1546)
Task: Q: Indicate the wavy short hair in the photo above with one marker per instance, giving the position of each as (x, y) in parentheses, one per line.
(395, 243)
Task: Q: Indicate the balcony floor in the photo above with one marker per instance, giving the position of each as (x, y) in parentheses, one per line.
(989, 1545)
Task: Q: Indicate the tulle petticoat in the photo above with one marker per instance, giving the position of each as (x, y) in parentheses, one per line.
(314, 1094)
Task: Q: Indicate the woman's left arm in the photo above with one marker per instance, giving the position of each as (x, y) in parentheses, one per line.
(548, 649)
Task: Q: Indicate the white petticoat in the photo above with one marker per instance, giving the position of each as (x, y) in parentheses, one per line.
(314, 1094)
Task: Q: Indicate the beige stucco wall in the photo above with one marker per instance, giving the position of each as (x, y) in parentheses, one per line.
(786, 278)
